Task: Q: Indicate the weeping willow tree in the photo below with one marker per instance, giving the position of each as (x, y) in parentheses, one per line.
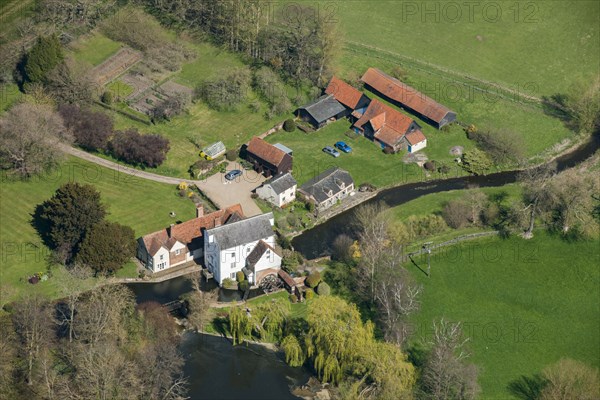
(294, 354)
(265, 321)
(240, 325)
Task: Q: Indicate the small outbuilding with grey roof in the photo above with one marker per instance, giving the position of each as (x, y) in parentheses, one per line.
(279, 190)
(320, 111)
(328, 188)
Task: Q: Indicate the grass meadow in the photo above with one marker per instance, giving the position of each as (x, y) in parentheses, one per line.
(523, 304)
(143, 205)
(94, 49)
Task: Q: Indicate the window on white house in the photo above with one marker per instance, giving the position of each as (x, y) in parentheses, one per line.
(161, 257)
(232, 255)
(232, 275)
(177, 252)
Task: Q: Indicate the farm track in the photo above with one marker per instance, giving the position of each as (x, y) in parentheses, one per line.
(461, 78)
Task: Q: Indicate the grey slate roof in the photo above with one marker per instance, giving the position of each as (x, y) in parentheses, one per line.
(281, 183)
(241, 232)
(324, 107)
(331, 179)
(284, 148)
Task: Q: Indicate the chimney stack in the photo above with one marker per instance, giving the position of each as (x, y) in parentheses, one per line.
(170, 229)
(199, 210)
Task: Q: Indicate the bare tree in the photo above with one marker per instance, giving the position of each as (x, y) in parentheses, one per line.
(446, 375)
(161, 374)
(29, 139)
(374, 239)
(199, 304)
(570, 379)
(8, 354)
(535, 192)
(101, 315)
(32, 320)
(72, 286)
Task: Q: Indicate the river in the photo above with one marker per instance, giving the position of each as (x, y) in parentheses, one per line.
(218, 370)
(317, 241)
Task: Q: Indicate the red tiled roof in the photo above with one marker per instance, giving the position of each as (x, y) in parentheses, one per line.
(415, 136)
(266, 151)
(187, 231)
(389, 136)
(343, 92)
(391, 118)
(404, 94)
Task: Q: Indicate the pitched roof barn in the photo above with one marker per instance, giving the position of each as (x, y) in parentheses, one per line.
(268, 158)
(345, 93)
(409, 98)
(322, 109)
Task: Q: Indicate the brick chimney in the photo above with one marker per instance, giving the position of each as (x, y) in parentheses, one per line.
(199, 210)
(169, 229)
(218, 221)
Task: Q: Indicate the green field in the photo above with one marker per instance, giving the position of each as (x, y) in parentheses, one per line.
(366, 162)
(545, 44)
(95, 48)
(141, 204)
(524, 304)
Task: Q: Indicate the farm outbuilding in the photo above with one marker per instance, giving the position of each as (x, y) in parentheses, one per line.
(408, 98)
(266, 158)
(320, 111)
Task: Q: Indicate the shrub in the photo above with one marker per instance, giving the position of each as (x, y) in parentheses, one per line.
(444, 169)
(456, 214)
(90, 129)
(284, 242)
(229, 283)
(254, 195)
(309, 294)
(293, 298)
(228, 92)
(107, 97)
(471, 131)
(139, 149)
(254, 106)
(399, 73)
(244, 285)
(323, 289)
(502, 145)
(240, 276)
(289, 125)
(429, 165)
(231, 155)
(171, 107)
(310, 206)
(313, 279)
(476, 162)
(292, 219)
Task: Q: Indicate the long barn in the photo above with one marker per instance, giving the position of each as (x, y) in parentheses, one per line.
(408, 98)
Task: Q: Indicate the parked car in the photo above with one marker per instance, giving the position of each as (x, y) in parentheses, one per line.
(331, 151)
(231, 175)
(343, 147)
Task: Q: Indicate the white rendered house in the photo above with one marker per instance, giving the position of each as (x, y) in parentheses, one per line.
(279, 190)
(247, 245)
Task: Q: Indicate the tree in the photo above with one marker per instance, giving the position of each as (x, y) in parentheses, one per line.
(374, 239)
(43, 57)
(32, 321)
(171, 107)
(8, 358)
(571, 200)
(71, 83)
(227, 92)
(476, 162)
(456, 213)
(570, 379)
(65, 218)
(535, 192)
(139, 149)
(502, 145)
(91, 129)
(289, 125)
(446, 375)
(323, 289)
(72, 287)
(199, 305)
(313, 279)
(107, 246)
(476, 200)
(294, 354)
(30, 138)
(342, 248)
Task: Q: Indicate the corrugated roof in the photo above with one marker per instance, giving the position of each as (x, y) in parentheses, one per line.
(188, 231)
(330, 180)
(343, 92)
(283, 147)
(266, 151)
(404, 94)
(242, 232)
(324, 107)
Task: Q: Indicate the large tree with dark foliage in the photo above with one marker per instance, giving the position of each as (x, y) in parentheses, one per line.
(91, 129)
(139, 149)
(43, 57)
(65, 218)
(106, 247)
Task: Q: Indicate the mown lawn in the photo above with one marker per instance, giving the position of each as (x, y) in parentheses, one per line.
(141, 204)
(524, 304)
(95, 48)
(366, 162)
(546, 44)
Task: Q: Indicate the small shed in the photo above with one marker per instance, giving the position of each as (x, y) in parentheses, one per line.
(213, 151)
(322, 110)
